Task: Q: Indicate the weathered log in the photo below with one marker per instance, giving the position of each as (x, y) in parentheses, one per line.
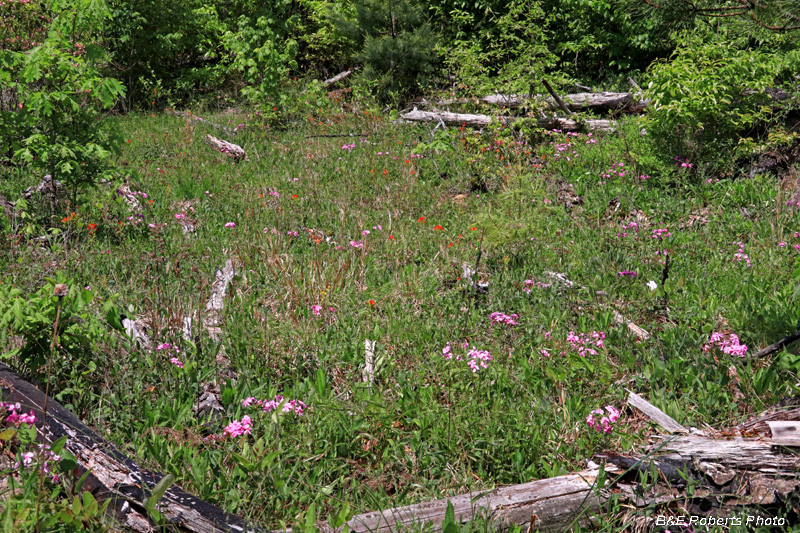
(216, 301)
(556, 504)
(114, 476)
(338, 77)
(232, 150)
(481, 121)
(576, 102)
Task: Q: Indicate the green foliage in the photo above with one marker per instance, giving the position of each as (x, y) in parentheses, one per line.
(57, 127)
(164, 50)
(495, 45)
(394, 41)
(262, 47)
(597, 39)
(706, 97)
(33, 319)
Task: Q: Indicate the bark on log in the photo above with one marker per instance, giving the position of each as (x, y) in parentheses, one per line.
(113, 475)
(232, 150)
(481, 121)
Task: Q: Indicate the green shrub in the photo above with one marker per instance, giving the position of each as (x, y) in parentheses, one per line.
(705, 98)
(394, 41)
(34, 319)
(57, 127)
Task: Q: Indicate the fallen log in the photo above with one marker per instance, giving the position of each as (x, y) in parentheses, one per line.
(576, 102)
(114, 476)
(481, 121)
(338, 77)
(555, 504)
(232, 150)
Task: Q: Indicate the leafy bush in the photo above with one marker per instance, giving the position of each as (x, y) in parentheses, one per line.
(706, 97)
(34, 318)
(497, 45)
(262, 47)
(57, 127)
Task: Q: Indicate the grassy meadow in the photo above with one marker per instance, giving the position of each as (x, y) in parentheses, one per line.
(340, 240)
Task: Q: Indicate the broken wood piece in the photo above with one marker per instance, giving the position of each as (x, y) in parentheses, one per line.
(216, 301)
(785, 432)
(114, 476)
(338, 77)
(47, 186)
(641, 333)
(368, 375)
(655, 414)
(135, 329)
(232, 150)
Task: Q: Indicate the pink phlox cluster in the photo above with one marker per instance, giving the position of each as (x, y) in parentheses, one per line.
(295, 406)
(239, 427)
(477, 358)
(604, 424)
(533, 283)
(47, 457)
(276, 194)
(168, 348)
(348, 146)
(661, 233)
(727, 342)
(627, 273)
(316, 309)
(501, 318)
(582, 342)
(16, 416)
(357, 244)
(740, 255)
(292, 234)
(683, 163)
(230, 224)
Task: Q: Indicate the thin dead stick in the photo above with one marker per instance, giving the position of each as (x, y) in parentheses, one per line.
(557, 98)
(776, 347)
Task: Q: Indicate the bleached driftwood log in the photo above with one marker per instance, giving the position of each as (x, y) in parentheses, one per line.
(114, 476)
(481, 121)
(232, 150)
